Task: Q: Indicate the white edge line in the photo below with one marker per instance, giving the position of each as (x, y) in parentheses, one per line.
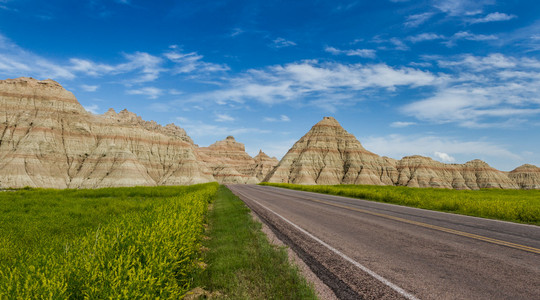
(396, 288)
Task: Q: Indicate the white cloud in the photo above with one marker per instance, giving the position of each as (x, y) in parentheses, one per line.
(15, 62)
(425, 37)
(418, 19)
(485, 91)
(192, 63)
(465, 35)
(197, 129)
(462, 7)
(482, 63)
(92, 108)
(89, 88)
(494, 17)
(399, 45)
(314, 80)
(282, 43)
(399, 124)
(150, 92)
(367, 53)
(444, 157)
(282, 118)
(398, 146)
(224, 118)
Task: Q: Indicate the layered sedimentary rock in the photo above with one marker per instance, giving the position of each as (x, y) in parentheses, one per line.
(526, 176)
(229, 161)
(264, 164)
(328, 154)
(420, 171)
(49, 140)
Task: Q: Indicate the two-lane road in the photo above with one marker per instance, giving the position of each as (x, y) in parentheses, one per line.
(364, 249)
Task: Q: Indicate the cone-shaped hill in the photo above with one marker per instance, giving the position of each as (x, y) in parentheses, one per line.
(328, 154)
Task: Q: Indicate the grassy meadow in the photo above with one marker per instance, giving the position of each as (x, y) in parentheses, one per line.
(241, 262)
(139, 243)
(122, 243)
(521, 206)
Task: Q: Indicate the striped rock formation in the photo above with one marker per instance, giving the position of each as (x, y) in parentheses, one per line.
(526, 176)
(328, 154)
(48, 140)
(229, 161)
(263, 165)
(420, 171)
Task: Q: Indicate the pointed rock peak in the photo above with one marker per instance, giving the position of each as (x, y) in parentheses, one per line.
(262, 155)
(110, 113)
(328, 121)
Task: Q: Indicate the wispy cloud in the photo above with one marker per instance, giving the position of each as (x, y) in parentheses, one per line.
(466, 35)
(367, 53)
(398, 146)
(494, 91)
(426, 36)
(192, 62)
(150, 92)
(282, 43)
(399, 124)
(493, 17)
(89, 88)
(197, 129)
(418, 19)
(314, 80)
(224, 118)
(462, 7)
(282, 118)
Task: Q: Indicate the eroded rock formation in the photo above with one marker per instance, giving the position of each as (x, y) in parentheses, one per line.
(229, 161)
(328, 154)
(526, 176)
(49, 140)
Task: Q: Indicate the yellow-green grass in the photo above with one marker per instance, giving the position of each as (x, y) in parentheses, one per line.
(521, 206)
(121, 243)
(241, 262)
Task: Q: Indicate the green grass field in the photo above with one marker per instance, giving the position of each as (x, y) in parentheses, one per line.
(121, 243)
(138, 243)
(521, 206)
(241, 262)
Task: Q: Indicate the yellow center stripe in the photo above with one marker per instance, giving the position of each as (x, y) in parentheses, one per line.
(453, 231)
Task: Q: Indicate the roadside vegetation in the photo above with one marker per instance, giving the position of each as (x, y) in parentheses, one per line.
(241, 262)
(521, 206)
(121, 243)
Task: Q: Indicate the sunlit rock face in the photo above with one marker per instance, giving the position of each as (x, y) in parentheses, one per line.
(526, 176)
(419, 171)
(230, 163)
(49, 140)
(328, 154)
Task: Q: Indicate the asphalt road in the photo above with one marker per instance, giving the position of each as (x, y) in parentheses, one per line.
(369, 250)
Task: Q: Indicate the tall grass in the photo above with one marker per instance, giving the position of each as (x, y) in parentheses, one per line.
(521, 206)
(122, 243)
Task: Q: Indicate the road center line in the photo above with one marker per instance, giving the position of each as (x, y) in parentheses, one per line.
(355, 263)
(435, 227)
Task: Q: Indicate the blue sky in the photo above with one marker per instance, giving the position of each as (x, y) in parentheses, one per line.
(454, 80)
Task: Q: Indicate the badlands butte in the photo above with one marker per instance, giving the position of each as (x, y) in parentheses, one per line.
(49, 140)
